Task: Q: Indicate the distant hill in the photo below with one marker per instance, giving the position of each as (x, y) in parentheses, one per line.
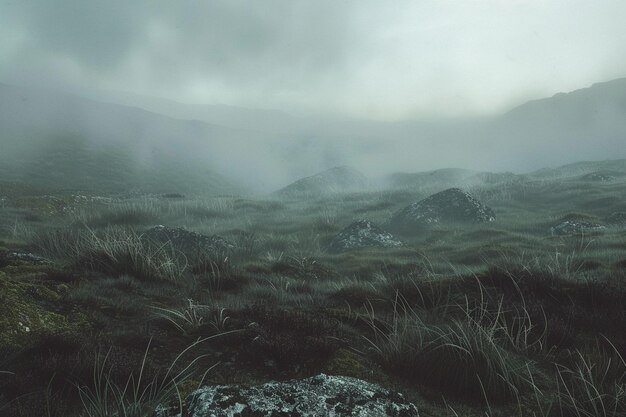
(332, 181)
(154, 144)
(455, 177)
(257, 120)
(586, 124)
(614, 167)
(600, 102)
(66, 142)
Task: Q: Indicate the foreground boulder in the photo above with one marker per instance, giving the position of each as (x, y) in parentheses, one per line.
(319, 396)
(450, 206)
(362, 234)
(185, 241)
(572, 227)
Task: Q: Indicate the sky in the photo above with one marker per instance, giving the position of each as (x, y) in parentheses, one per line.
(374, 59)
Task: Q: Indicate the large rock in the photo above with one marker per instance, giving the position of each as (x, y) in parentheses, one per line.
(319, 396)
(362, 234)
(450, 206)
(333, 181)
(187, 242)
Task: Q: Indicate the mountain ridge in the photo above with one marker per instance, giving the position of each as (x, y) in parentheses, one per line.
(589, 123)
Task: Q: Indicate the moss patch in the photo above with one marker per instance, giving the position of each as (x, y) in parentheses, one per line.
(27, 308)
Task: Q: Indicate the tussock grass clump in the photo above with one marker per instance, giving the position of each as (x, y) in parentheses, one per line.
(115, 251)
(140, 395)
(216, 272)
(593, 386)
(193, 316)
(460, 359)
(468, 358)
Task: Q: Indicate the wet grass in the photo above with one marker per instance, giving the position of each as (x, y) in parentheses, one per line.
(501, 319)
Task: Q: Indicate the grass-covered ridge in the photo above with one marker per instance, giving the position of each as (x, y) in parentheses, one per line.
(503, 318)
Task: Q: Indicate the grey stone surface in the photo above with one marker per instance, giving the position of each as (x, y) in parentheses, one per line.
(26, 257)
(318, 396)
(362, 234)
(449, 206)
(187, 241)
(571, 227)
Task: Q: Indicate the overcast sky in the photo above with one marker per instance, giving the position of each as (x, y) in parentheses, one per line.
(370, 58)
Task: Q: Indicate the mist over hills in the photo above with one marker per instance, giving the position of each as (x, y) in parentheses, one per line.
(589, 123)
(332, 181)
(70, 142)
(125, 141)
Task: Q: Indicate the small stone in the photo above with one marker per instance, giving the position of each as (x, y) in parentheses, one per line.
(362, 234)
(26, 257)
(572, 227)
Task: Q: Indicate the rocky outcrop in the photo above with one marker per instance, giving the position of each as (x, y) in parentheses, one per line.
(572, 227)
(319, 396)
(186, 241)
(362, 234)
(333, 181)
(450, 206)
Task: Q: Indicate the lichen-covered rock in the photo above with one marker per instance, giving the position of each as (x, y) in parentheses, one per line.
(572, 227)
(362, 234)
(25, 257)
(187, 242)
(450, 206)
(319, 396)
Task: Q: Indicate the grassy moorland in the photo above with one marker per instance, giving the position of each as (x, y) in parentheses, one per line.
(497, 319)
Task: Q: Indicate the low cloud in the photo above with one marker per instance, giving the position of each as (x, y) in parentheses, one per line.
(371, 59)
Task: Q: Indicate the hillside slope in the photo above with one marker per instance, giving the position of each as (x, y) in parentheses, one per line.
(332, 181)
(68, 142)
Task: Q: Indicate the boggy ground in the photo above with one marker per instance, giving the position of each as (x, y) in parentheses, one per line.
(497, 319)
